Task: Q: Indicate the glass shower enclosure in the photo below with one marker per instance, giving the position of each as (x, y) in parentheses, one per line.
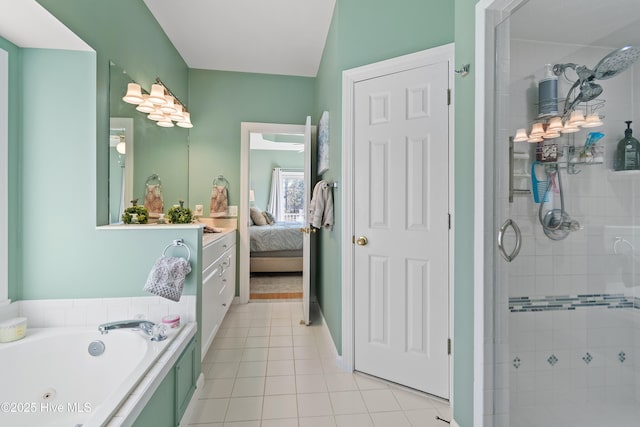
(562, 281)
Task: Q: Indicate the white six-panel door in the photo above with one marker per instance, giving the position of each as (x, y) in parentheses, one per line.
(401, 225)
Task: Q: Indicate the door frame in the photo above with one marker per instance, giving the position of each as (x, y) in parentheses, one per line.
(488, 14)
(349, 79)
(246, 128)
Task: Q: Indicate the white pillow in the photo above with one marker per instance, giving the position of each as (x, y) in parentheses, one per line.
(257, 217)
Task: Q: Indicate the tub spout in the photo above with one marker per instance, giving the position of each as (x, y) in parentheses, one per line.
(144, 325)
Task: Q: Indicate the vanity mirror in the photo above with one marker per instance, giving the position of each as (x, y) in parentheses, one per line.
(157, 151)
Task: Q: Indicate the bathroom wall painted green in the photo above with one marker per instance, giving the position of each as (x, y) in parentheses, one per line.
(63, 253)
(363, 32)
(13, 166)
(262, 163)
(220, 102)
(125, 32)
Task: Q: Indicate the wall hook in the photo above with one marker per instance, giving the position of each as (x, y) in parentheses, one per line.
(464, 71)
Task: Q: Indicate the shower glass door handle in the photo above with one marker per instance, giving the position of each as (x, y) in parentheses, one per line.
(501, 232)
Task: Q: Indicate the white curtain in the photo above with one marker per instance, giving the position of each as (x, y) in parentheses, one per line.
(275, 198)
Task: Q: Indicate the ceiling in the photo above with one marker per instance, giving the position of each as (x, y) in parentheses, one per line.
(288, 36)
(580, 22)
(272, 37)
(27, 24)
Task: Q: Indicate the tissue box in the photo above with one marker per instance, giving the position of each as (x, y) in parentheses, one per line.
(13, 329)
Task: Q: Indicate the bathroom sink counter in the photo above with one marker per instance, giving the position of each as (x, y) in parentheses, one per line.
(208, 238)
(227, 225)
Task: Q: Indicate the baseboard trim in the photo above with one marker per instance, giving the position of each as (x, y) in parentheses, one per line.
(454, 423)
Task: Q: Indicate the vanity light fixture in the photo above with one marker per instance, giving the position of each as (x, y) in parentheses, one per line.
(537, 130)
(161, 104)
(577, 118)
(156, 115)
(156, 96)
(570, 128)
(165, 122)
(169, 106)
(521, 135)
(134, 94)
(592, 121)
(555, 124)
(146, 106)
(186, 120)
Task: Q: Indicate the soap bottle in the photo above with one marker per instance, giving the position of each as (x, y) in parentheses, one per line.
(548, 93)
(627, 152)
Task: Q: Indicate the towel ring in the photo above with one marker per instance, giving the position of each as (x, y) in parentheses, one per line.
(153, 179)
(178, 242)
(220, 179)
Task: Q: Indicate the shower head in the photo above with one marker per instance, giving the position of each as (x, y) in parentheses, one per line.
(609, 66)
(616, 62)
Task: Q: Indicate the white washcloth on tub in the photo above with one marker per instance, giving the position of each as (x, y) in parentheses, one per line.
(166, 278)
(321, 206)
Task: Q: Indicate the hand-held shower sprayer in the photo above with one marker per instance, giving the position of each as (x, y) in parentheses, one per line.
(609, 66)
(556, 223)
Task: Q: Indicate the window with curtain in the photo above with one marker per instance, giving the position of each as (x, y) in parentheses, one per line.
(286, 202)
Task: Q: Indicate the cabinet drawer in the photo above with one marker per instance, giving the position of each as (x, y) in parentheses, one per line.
(214, 250)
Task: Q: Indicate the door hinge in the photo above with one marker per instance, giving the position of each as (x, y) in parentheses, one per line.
(449, 221)
(448, 96)
(449, 346)
(353, 239)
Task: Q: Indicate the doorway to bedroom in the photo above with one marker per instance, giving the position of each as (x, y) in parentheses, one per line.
(276, 180)
(276, 205)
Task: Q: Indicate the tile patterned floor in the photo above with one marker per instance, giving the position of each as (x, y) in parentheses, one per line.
(264, 369)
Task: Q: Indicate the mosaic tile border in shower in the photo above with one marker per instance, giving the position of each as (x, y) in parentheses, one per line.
(572, 302)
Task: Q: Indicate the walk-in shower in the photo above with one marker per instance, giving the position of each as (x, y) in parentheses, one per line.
(562, 322)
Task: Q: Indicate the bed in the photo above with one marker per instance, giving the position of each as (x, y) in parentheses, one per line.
(275, 248)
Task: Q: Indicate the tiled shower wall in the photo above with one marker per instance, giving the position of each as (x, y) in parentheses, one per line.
(581, 343)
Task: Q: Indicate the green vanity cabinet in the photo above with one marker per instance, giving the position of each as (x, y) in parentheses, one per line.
(170, 400)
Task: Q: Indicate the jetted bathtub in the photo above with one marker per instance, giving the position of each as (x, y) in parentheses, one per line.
(50, 379)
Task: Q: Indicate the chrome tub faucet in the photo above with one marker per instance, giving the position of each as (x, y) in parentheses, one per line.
(156, 332)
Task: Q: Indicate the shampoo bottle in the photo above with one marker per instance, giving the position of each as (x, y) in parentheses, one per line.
(627, 152)
(548, 93)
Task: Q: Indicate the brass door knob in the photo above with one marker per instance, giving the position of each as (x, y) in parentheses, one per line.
(362, 241)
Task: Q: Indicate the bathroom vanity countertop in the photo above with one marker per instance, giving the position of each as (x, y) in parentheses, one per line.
(208, 238)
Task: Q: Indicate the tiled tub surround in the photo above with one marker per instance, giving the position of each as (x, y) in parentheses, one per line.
(94, 311)
(572, 302)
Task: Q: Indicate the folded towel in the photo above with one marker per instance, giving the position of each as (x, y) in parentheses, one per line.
(321, 206)
(218, 206)
(166, 278)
